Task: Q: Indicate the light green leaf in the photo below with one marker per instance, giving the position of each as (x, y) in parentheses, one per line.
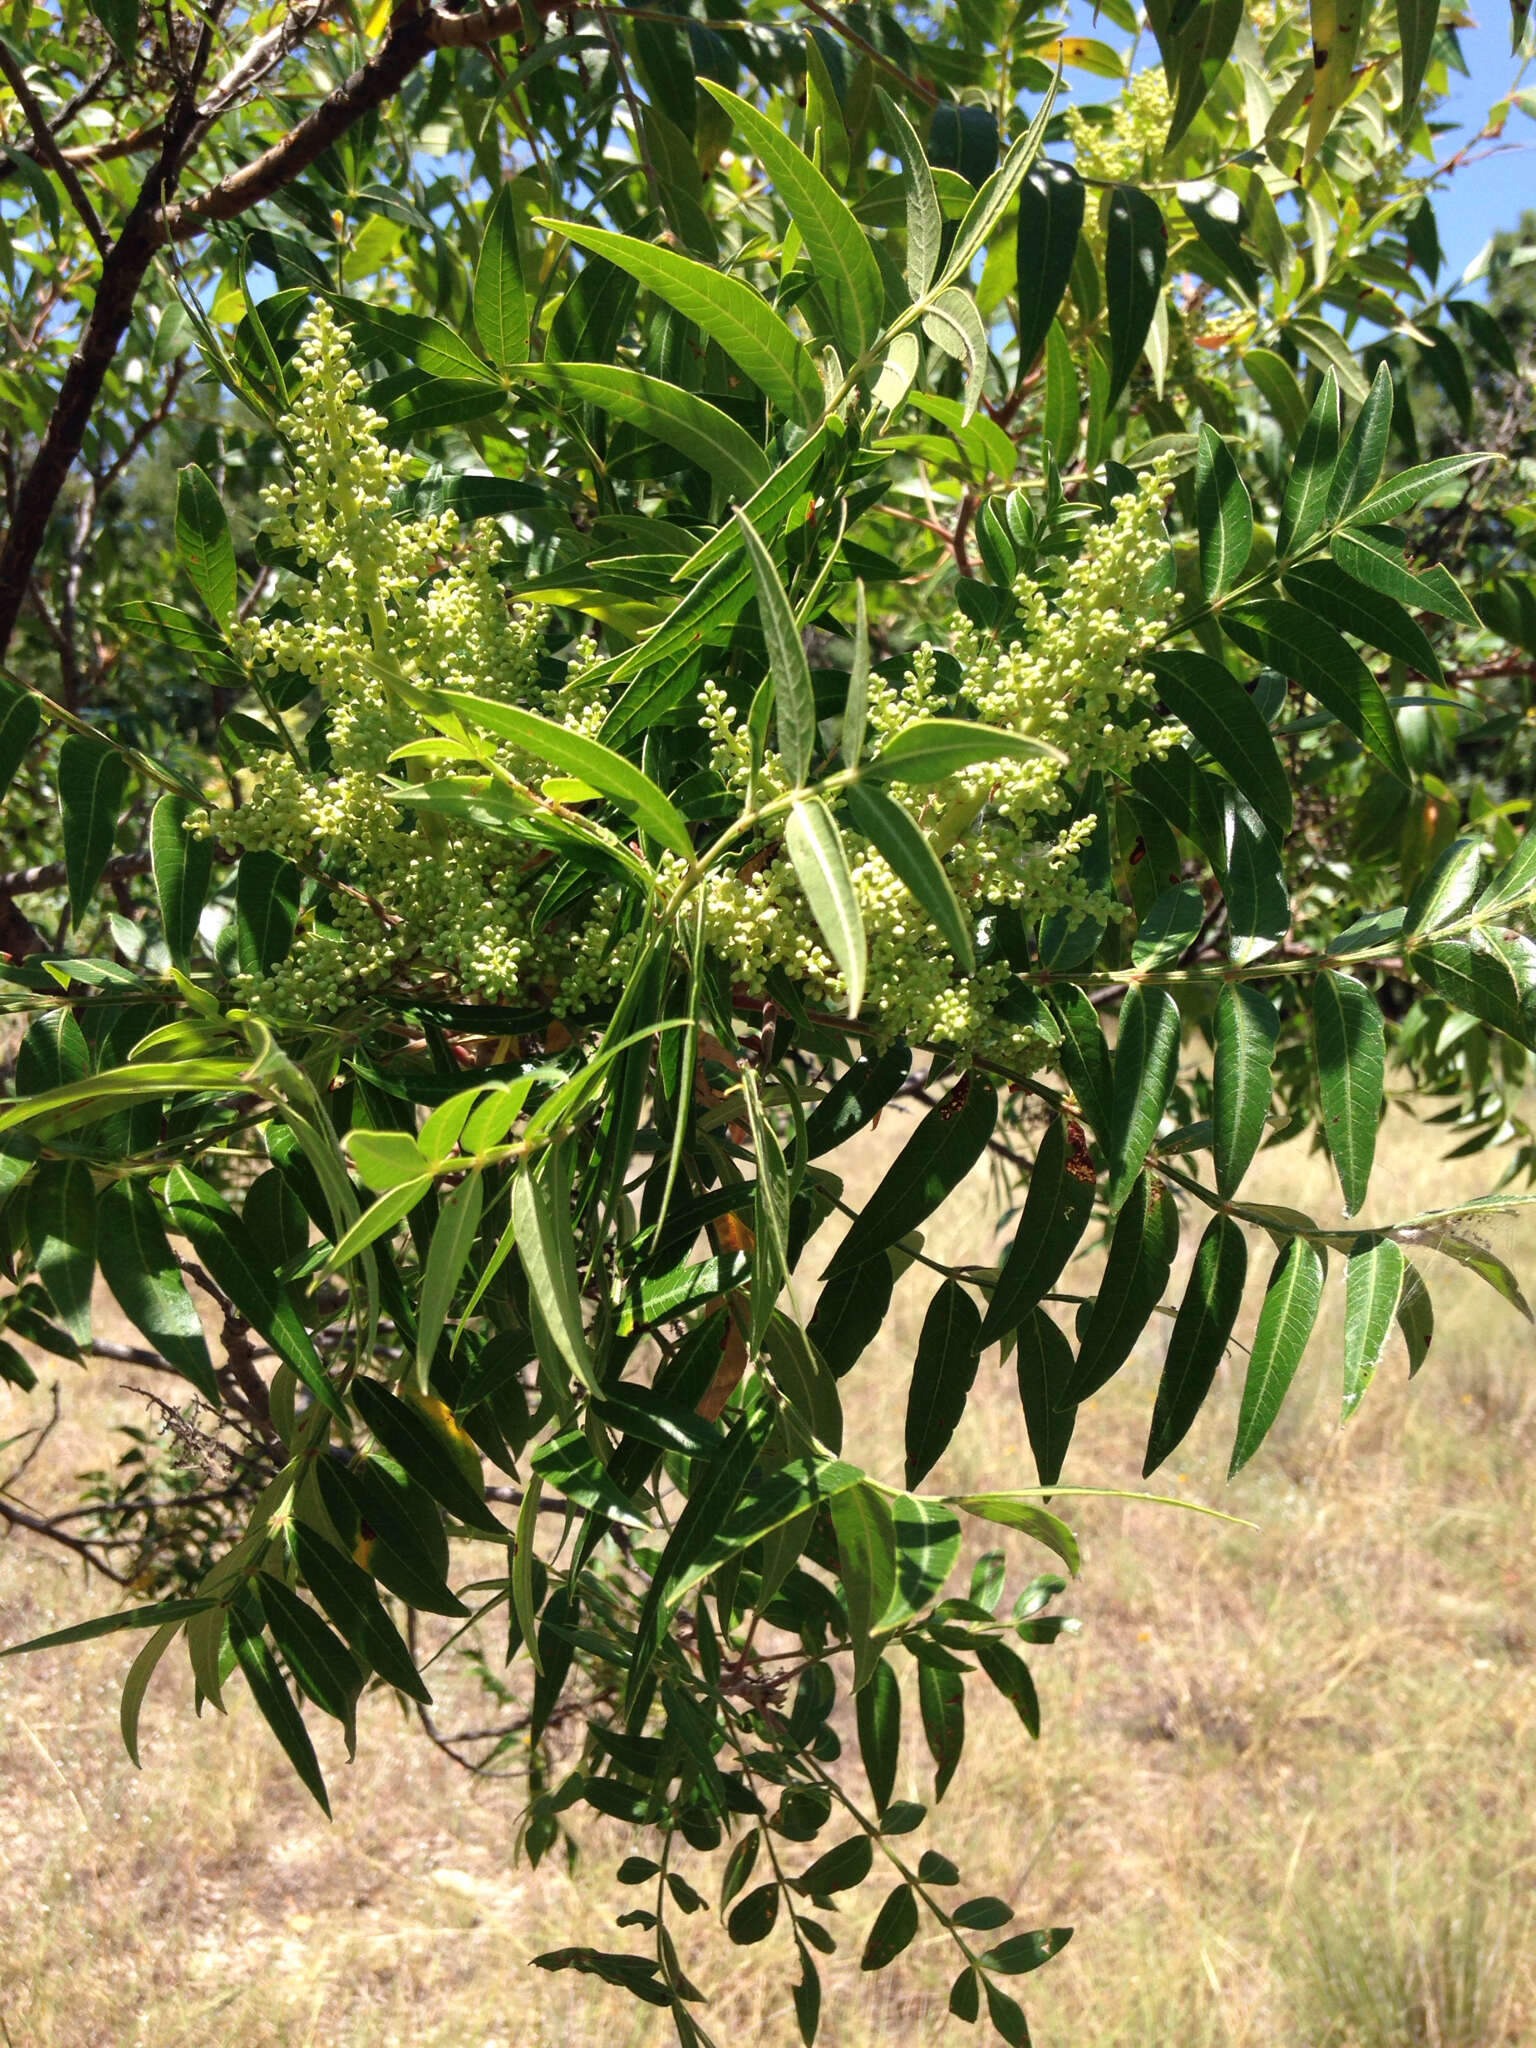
(1448, 891)
(821, 865)
(1360, 459)
(895, 834)
(842, 261)
(1351, 1068)
(1373, 1287)
(998, 193)
(684, 421)
(930, 749)
(453, 1239)
(794, 698)
(1374, 556)
(752, 335)
(1014, 1511)
(856, 703)
(1285, 1323)
(953, 322)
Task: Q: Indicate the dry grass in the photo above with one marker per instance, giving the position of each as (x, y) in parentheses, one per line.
(1284, 1789)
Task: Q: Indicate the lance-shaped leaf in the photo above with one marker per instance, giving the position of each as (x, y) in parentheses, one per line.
(1324, 588)
(203, 545)
(820, 862)
(751, 333)
(154, 1614)
(139, 1266)
(239, 1267)
(1416, 22)
(856, 702)
(323, 1666)
(1146, 1064)
(425, 1452)
(1408, 489)
(866, 1568)
(62, 1230)
(1373, 1287)
(1013, 1511)
(1415, 1317)
(587, 759)
(1050, 222)
(1201, 1331)
(857, 1097)
(182, 864)
(1135, 252)
(20, 721)
(684, 421)
(279, 1710)
(1351, 1068)
(346, 1593)
(136, 1684)
(1310, 483)
(546, 1249)
(909, 851)
(500, 302)
(92, 781)
(1285, 1323)
(1223, 515)
(1055, 1215)
(1311, 653)
(878, 1710)
(1336, 26)
(1374, 556)
(1365, 449)
(267, 889)
(931, 749)
(953, 323)
(425, 342)
(453, 1239)
(941, 1704)
(948, 1353)
(794, 699)
(997, 194)
(1247, 1028)
(842, 261)
(1135, 1274)
(936, 1158)
(1084, 1057)
(1043, 1363)
(1448, 891)
(925, 218)
(925, 1541)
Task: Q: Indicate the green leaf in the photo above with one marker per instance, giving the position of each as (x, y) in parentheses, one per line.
(423, 1453)
(203, 545)
(1415, 1317)
(1010, 1674)
(1172, 924)
(1406, 491)
(948, 1353)
(1146, 1066)
(839, 1869)
(965, 1996)
(1360, 459)
(930, 749)
(234, 1260)
(856, 1098)
(1022, 1952)
(752, 335)
(153, 1615)
(569, 1463)
(878, 1712)
(866, 1568)
(842, 261)
(1084, 1057)
(1012, 1511)
(1135, 252)
(926, 1542)
(120, 19)
(267, 890)
(1223, 514)
(1312, 653)
(409, 1550)
(954, 325)
(1324, 588)
(182, 863)
(1374, 556)
(587, 759)
(20, 722)
(1447, 892)
(895, 1926)
(420, 339)
(1416, 22)
(136, 1684)
(935, 1159)
(1373, 1287)
(1247, 1028)
(1351, 1068)
(794, 698)
(501, 304)
(1277, 385)
(92, 781)
(1311, 479)
(716, 1490)
(1043, 1363)
(997, 194)
(453, 1240)
(1006, 2015)
(907, 848)
(322, 1665)
(1050, 223)
(1514, 881)
(62, 1230)
(681, 419)
(752, 1919)
(1291, 1301)
(941, 1703)
(270, 1692)
(925, 218)
(856, 703)
(1146, 1236)
(1056, 1209)
(1201, 1332)
(821, 865)
(346, 1593)
(139, 1266)
(546, 1249)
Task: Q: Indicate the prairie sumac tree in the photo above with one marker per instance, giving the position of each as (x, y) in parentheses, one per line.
(596, 595)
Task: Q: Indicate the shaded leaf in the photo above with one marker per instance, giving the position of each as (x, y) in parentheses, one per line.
(1291, 1300)
(1212, 1298)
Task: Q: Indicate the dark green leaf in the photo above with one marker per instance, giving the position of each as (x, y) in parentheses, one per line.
(422, 1450)
(92, 780)
(1311, 653)
(267, 891)
(1010, 1674)
(20, 720)
(62, 1230)
(866, 1567)
(277, 1707)
(1084, 1057)
(1055, 1215)
(1373, 1287)
(1136, 250)
(751, 1920)
(684, 421)
(1146, 1064)
(1448, 891)
(183, 867)
(895, 1926)
(120, 19)
(948, 1352)
(1200, 1336)
(1406, 491)
(878, 1713)
(139, 1266)
(909, 851)
(1323, 587)
(856, 1098)
(1351, 1068)
(1291, 1299)
(153, 1615)
(420, 339)
(1416, 20)
(1374, 556)
(1050, 221)
(1021, 1952)
(1205, 695)
(840, 1869)
(203, 545)
(1364, 451)
(1141, 1251)
(941, 1701)
(346, 1593)
(935, 1159)
(323, 1666)
(1247, 1027)
(1310, 483)
(1224, 515)
(1044, 1363)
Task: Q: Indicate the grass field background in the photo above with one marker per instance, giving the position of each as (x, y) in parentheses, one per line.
(1285, 1791)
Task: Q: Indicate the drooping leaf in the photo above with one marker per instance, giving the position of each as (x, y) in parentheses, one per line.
(948, 1353)
(1055, 1215)
(139, 1266)
(895, 1927)
(270, 1691)
(1051, 201)
(346, 1594)
(866, 1569)
(453, 1240)
(1324, 588)
(546, 1250)
(425, 1453)
(1044, 1363)
(1373, 1287)
(1201, 1330)
(1136, 251)
(908, 850)
(878, 1710)
(1291, 1301)
(1010, 1674)
(941, 1703)
(1146, 1065)
(820, 862)
(63, 1232)
(934, 1160)
(92, 781)
(1247, 1028)
(1351, 1069)
(20, 721)
(1141, 1252)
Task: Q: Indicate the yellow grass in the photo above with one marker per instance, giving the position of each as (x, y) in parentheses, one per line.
(1284, 1791)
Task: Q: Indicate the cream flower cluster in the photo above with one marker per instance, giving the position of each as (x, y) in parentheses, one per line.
(420, 895)
(1132, 139)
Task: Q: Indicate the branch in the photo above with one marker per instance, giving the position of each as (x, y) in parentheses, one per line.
(24, 881)
(18, 1518)
(47, 149)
